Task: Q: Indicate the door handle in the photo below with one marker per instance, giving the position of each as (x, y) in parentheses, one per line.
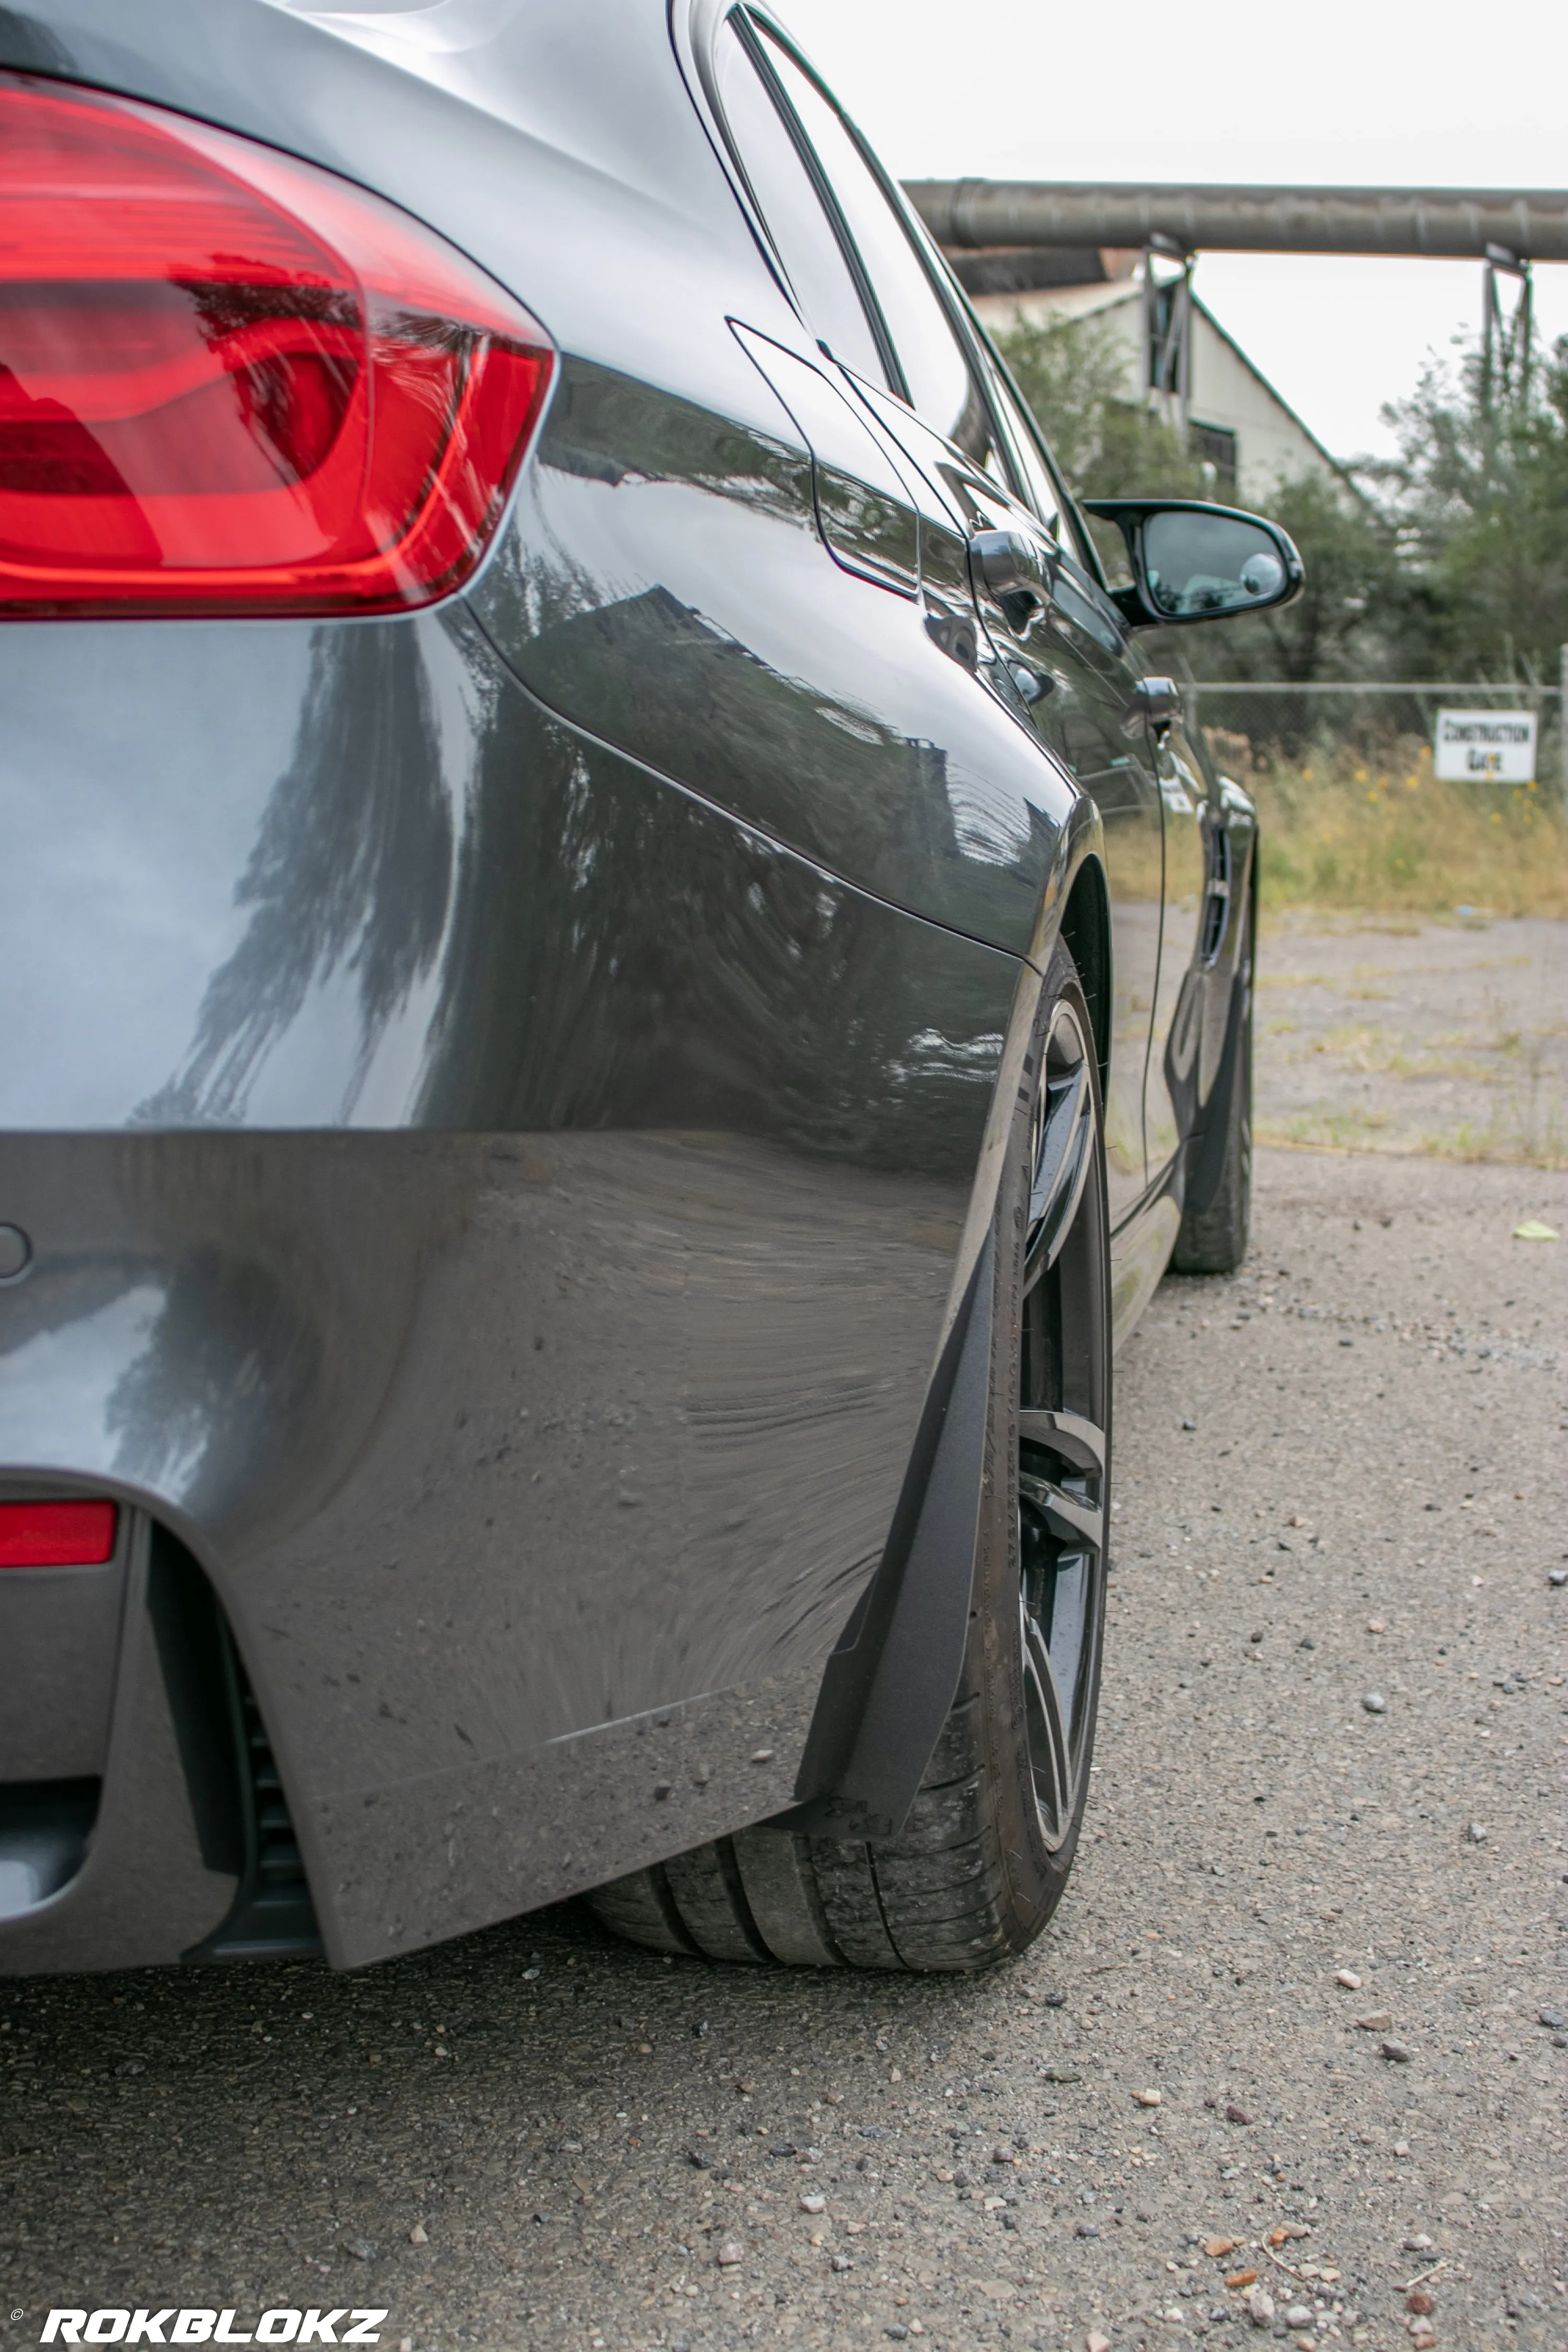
(1157, 702)
(1008, 564)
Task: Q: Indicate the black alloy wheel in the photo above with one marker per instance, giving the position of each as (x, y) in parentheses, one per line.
(1062, 1431)
(984, 1858)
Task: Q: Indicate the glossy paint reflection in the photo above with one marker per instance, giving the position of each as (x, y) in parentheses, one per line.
(665, 584)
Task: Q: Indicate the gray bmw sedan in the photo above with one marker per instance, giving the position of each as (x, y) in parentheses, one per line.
(616, 985)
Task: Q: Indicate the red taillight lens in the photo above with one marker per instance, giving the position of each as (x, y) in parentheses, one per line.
(230, 382)
(57, 1534)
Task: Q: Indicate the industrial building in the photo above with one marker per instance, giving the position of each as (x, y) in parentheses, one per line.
(1176, 352)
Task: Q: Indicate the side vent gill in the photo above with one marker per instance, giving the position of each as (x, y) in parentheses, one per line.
(1216, 901)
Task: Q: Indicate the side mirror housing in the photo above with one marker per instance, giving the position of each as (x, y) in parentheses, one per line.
(1196, 563)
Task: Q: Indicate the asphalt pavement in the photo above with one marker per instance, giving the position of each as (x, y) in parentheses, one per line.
(1291, 2060)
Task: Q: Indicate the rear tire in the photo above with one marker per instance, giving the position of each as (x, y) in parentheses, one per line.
(984, 1858)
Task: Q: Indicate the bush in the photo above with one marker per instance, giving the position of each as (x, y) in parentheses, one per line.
(1345, 827)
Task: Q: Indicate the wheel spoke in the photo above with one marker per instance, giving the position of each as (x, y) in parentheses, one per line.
(1072, 1518)
(1061, 1169)
(1069, 1631)
(1049, 1748)
(1077, 1441)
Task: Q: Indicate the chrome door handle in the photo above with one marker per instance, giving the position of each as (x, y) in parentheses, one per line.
(1007, 563)
(1158, 701)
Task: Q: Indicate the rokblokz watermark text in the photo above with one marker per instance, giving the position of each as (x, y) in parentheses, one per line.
(201, 2327)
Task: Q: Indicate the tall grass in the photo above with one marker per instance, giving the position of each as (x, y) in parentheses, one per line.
(1369, 826)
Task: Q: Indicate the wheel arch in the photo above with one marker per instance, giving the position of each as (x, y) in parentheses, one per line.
(1085, 932)
(889, 1684)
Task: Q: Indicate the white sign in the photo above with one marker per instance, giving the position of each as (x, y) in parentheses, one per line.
(1482, 746)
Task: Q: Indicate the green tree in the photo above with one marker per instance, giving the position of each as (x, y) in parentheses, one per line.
(1073, 374)
(1479, 494)
(1352, 614)
(1355, 617)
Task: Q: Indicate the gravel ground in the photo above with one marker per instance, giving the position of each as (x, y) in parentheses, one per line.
(1382, 1033)
(1300, 1995)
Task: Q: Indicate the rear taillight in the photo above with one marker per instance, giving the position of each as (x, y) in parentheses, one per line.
(57, 1534)
(231, 382)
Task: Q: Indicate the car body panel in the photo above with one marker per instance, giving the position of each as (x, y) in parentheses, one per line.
(661, 578)
(1176, 1044)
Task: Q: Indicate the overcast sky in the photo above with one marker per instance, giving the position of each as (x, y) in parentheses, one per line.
(1362, 92)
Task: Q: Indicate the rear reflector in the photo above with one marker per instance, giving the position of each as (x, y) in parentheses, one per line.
(231, 382)
(57, 1534)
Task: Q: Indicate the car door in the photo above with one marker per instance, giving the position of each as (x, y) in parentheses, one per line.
(1061, 663)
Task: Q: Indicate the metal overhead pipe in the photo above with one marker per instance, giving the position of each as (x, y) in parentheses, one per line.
(1461, 224)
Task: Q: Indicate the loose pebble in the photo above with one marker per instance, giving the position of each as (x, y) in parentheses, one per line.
(1422, 2335)
(1147, 2099)
(1236, 2116)
(1377, 1626)
(1349, 1978)
(842, 2262)
(814, 2204)
(1397, 2052)
(1555, 2018)
(1299, 2314)
(1476, 1833)
(1557, 1576)
(1095, 2342)
(730, 2253)
(1420, 2243)
(1260, 2307)
(418, 2235)
(1086, 2230)
(1420, 2303)
(360, 2248)
(1375, 1703)
(1376, 2020)
(1241, 2278)
(1216, 2247)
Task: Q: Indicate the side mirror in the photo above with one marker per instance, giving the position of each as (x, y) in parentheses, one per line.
(1196, 563)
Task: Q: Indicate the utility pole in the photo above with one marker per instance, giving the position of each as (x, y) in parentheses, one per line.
(1506, 352)
(1506, 342)
(1168, 331)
